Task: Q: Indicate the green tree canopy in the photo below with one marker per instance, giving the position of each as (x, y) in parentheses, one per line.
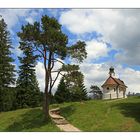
(7, 75)
(28, 93)
(51, 44)
(71, 88)
(62, 93)
(97, 93)
(7, 72)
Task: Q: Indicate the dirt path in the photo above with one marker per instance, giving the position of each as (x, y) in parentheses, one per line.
(61, 122)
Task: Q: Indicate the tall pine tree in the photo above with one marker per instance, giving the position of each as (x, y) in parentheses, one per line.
(71, 88)
(6, 68)
(62, 93)
(7, 76)
(76, 86)
(96, 91)
(28, 93)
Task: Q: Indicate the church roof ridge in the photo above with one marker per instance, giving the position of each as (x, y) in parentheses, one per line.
(113, 81)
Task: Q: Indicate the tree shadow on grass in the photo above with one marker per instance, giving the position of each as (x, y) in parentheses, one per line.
(130, 109)
(67, 110)
(32, 119)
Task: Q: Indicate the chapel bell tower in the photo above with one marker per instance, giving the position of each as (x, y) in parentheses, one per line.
(111, 72)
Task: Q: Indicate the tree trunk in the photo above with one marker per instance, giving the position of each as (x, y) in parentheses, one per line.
(46, 93)
(46, 97)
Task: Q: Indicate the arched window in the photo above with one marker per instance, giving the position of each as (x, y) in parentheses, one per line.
(107, 88)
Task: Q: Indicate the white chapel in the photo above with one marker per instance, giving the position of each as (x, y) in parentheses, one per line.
(113, 87)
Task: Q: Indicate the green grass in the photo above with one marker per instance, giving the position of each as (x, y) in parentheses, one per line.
(25, 120)
(99, 116)
(114, 115)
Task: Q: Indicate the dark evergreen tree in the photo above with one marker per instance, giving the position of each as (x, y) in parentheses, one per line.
(97, 93)
(62, 93)
(82, 91)
(8, 99)
(28, 93)
(6, 66)
(7, 75)
(71, 88)
(76, 86)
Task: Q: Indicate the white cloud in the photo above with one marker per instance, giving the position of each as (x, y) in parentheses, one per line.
(40, 72)
(90, 20)
(17, 51)
(94, 73)
(12, 16)
(97, 74)
(30, 20)
(120, 28)
(131, 77)
(96, 49)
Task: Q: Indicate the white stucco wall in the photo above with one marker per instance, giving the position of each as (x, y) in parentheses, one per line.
(107, 94)
(120, 94)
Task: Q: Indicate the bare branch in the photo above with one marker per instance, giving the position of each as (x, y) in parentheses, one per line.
(49, 71)
(55, 71)
(55, 80)
(50, 83)
(45, 58)
(59, 61)
(39, 51)
(52, 62)
(62, 74)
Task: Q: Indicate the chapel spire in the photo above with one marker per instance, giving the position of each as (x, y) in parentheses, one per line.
(111, 72)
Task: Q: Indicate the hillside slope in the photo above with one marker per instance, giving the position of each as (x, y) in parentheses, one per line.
(25, 120)
(111, 115)
(99, 116)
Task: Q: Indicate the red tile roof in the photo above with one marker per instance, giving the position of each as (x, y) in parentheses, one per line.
(114, 81)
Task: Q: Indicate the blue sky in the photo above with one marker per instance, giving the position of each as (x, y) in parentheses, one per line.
(111, 40)
(72, 37)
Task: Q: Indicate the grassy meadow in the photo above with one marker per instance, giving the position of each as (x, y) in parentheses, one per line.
(104, 116)
(25, 120)
(96, 116)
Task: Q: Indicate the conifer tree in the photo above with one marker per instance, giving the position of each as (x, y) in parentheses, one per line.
(62, 93)
(28, 93)
(75, 82)
(7, 75)
(96, 91)
(6, 66)
(71, 88)
(82, 91)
